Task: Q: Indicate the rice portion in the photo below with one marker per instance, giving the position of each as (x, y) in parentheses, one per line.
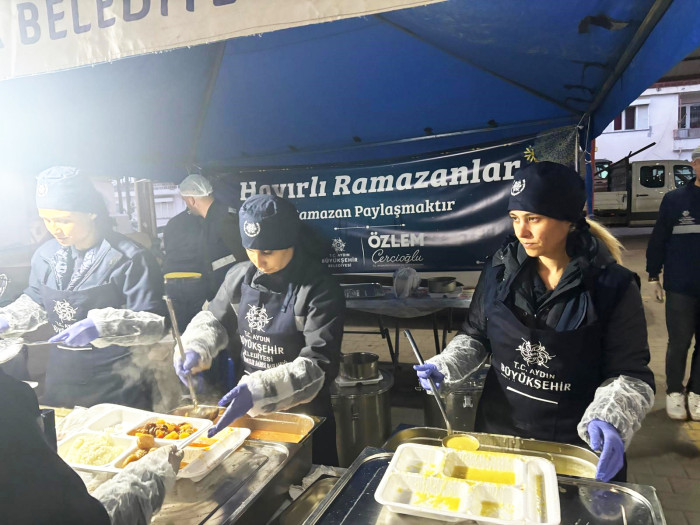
(95, 450)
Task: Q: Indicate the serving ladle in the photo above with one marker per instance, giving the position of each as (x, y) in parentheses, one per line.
(436, 395)
(194, 410)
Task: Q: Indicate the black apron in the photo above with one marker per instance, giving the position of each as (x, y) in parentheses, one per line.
(270, 337)
(540, 381)
(87, 375)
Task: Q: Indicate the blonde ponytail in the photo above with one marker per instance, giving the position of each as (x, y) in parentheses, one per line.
(608, 239)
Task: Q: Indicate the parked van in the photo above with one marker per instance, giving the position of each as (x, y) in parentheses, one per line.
(630, 193)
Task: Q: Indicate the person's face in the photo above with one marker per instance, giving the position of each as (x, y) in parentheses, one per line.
(70, 228)
(190, 202)
(270, 261)
(540, 236)
(696, 166)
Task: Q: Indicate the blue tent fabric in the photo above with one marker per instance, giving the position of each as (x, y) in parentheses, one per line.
(452, 75)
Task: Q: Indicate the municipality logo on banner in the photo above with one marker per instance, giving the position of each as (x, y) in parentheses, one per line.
(338, 245)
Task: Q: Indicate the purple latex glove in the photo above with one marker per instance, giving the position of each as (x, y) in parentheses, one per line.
(4, 324)
(427, 370)
(78, 334)
(604, 436)
(184, 369)
(241, 401)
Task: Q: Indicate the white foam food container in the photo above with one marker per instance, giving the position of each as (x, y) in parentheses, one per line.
(486, 487)
(116, 419)
(202, 460)
(120, 423)
(126, 443)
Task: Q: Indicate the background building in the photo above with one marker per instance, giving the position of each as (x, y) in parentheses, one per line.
(667, 113)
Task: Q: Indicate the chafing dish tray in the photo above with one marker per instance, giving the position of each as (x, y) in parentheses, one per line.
(569, 460)
(351, 500)
(304, 505)
(250, 484)
(279, 427)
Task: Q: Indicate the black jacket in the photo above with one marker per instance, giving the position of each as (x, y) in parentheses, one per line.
(319, 301)
(36, 485)
(674, 244)
(127, 265)
(222, 239)
(593, 287)
(182, 242)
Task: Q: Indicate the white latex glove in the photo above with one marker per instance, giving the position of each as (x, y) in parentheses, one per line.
(659, 292)
(137, 492)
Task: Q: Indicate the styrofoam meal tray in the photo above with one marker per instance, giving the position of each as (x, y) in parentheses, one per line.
(116, 419)
(119, 422)
(454, 485)
(128, 444)
(201, 461)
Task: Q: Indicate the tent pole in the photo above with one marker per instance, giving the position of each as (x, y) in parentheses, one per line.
(643, 31)
(591, 199)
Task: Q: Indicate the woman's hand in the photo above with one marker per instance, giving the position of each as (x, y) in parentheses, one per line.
(605, 437)
(428, 371)
(241, 400)
(78, 334)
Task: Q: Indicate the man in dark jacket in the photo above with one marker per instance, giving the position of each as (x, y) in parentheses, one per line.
(182, 243)
(675, 246)
(38, 487)
(222, 246)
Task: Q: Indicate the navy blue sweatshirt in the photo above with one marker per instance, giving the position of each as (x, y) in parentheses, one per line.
(675, 242)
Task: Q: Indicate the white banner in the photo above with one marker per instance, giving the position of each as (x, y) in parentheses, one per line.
(38, 36)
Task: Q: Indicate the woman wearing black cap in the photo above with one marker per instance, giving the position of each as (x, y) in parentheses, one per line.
(282, 315)
(101, 293)
(563, 323)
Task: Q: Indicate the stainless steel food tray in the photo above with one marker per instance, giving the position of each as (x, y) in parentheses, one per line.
(304, 505)
(249, 485)
(351, 501)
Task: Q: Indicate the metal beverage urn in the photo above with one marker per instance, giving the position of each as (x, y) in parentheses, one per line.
(361, 406)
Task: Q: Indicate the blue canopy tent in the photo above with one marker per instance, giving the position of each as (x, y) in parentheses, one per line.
(405, 84)
(453, 74)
